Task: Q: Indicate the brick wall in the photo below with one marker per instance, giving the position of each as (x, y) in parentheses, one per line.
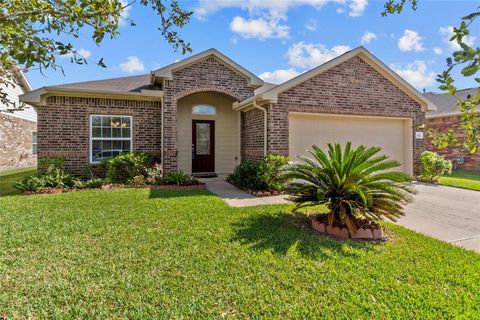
(64, 124)
(16, 142)
(351, 88)
(203, 76)
(252, 135)
(443, 124)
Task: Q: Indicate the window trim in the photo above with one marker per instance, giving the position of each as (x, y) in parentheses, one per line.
(90, 136)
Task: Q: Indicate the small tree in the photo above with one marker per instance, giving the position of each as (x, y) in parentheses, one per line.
(352, 183)
(433, 166)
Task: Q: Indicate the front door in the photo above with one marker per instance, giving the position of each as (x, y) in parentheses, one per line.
(203, 146)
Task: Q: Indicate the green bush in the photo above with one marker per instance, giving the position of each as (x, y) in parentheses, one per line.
(154, 174)
(51, 175)
(434, 166)
(50, 164)
(176, 177)
(354, 184)
(94, 183)
(123, 167)
(269, 171)
(246, 176)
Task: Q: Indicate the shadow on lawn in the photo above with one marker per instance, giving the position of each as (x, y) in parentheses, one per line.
(288, 234)
(170, 193)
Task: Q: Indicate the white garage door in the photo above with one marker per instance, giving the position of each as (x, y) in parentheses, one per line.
(393, 135)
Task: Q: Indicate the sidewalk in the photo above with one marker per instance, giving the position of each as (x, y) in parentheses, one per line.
(235, 197)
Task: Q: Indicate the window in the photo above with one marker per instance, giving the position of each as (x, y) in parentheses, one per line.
(109, 136)
(204, 109)
(34, 143)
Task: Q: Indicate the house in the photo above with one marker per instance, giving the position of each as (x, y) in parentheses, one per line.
(18, 136)
(206, 113)
(446, 117)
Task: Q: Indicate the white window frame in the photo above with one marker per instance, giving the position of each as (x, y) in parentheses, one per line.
(91, 138)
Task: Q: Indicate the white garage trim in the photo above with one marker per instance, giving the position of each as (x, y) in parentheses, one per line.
(393, 134)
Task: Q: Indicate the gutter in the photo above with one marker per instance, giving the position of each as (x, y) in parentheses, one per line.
(161, 133)
(265, 135)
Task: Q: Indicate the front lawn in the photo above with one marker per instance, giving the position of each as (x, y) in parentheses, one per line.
(136, 253)
(8, 179)
(462, 179)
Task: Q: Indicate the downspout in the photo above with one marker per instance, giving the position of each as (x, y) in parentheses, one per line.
(264, 126)
(161, 135)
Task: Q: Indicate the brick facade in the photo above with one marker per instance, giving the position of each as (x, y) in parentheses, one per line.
(16, 142)
(351, 88)
(203, 76)
(443, 124)
(252, 135)
(64, 124)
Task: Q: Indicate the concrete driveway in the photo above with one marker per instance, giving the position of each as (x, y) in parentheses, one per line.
(445, 213)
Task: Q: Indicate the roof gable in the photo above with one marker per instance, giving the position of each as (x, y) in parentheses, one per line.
(167, 71)
(272, 94)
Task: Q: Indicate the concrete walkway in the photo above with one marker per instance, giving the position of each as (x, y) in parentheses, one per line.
(446, 213)
(235, 197)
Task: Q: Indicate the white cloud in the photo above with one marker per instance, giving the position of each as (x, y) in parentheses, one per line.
(84, 53)
(368, 37)
(309, 55)
(311, 25)
(416, 73)
(447, 33)
(357, 7)
(279, 76)
(410, 41)
(133, 64)
(438, 50)
(258, 28)
(254, 7)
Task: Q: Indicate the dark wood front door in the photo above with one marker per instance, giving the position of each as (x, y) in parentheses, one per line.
(203, 146)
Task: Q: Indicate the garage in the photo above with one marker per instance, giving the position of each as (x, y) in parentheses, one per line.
(393, 135)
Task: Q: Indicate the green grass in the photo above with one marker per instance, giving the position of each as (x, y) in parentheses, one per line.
(8, 179)
(462, 179)
(136, 253)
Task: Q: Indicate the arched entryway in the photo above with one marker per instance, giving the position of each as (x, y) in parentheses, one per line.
(208, 133)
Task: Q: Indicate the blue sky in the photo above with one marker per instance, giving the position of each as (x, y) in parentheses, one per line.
(280, 39)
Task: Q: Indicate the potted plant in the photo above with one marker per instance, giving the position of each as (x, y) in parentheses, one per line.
(357, 186)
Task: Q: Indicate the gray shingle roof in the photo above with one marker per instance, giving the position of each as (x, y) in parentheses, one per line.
(447, 105)
(122, 84)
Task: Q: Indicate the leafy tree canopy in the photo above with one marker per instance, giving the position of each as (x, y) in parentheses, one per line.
(30, 31)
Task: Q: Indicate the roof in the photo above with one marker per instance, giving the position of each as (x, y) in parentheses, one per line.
(122, 84)
(447, 104)
(271, 94)
(135, 87)
(166, 72)
(22, 79)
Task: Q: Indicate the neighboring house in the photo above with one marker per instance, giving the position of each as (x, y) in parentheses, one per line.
(206, 113)
(17, 129)
(448, 116)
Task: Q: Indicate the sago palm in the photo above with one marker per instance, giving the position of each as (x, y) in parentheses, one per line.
(354, 184)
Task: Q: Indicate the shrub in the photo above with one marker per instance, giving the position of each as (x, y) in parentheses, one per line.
(51, 175)
(269, 171)
(137, 181)
(433, 166)
(176, 177)
(154, 174)
(50, 164)
(123, 167)
(352, 183)
(246, 176)
(94, 183)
